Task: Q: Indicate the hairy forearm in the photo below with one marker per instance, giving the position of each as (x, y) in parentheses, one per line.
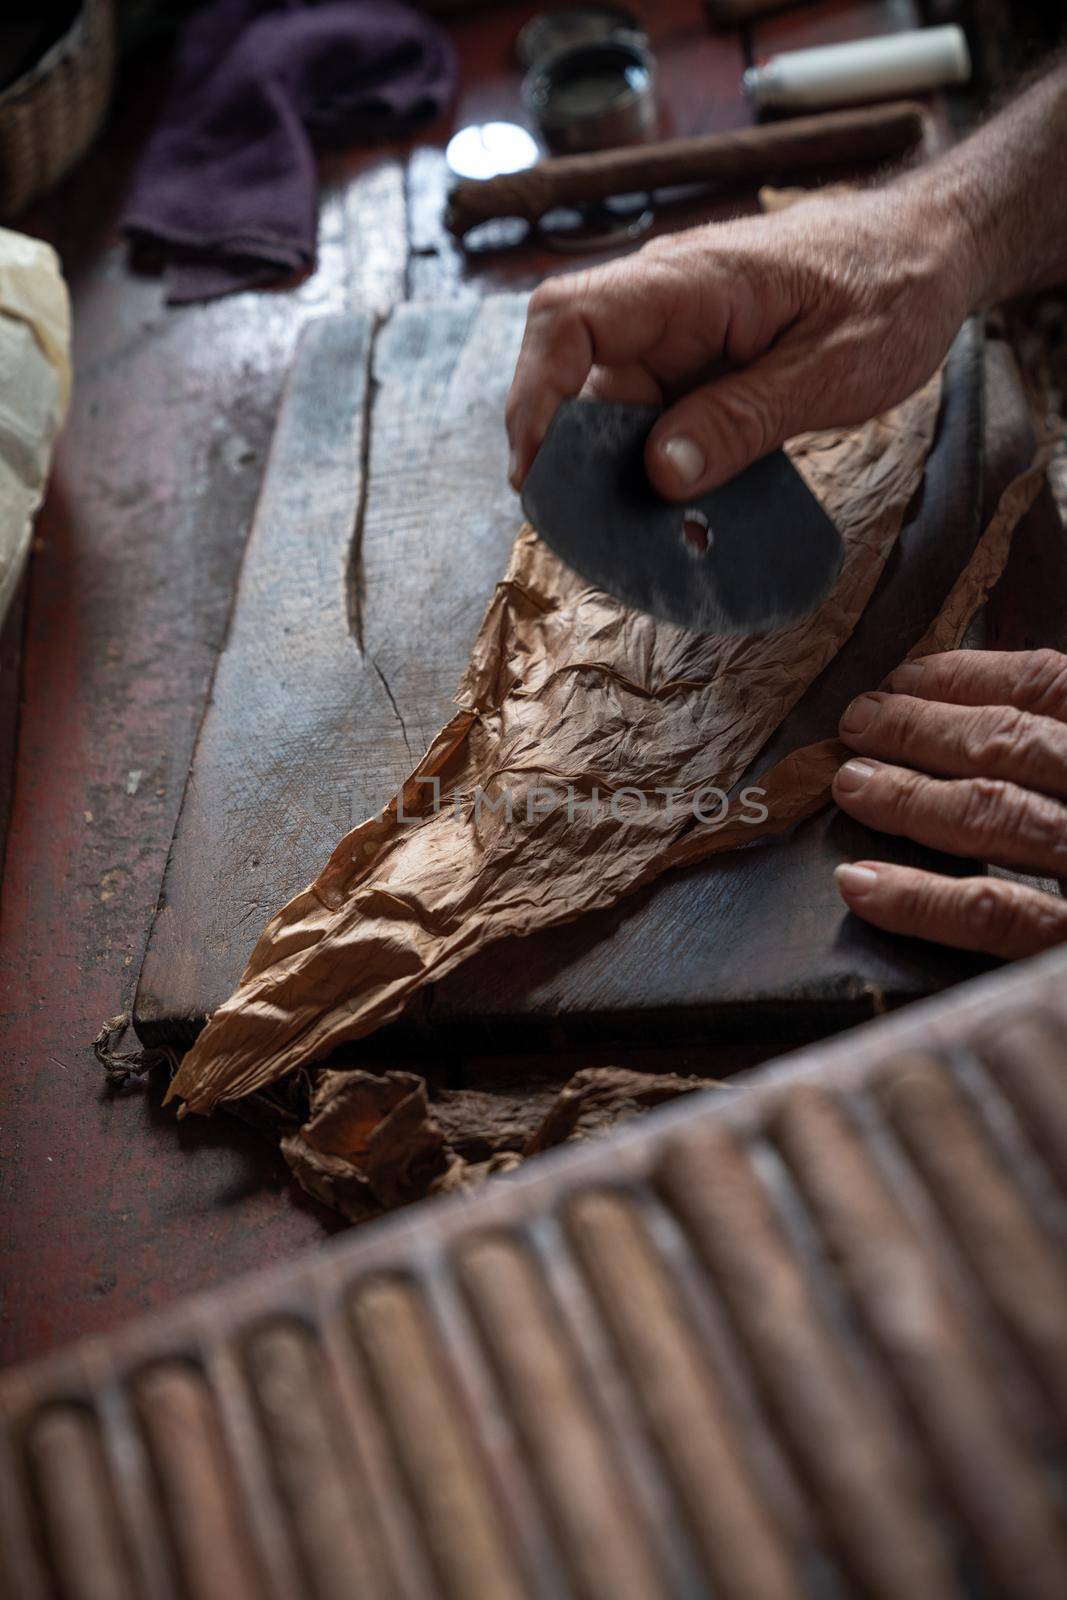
(1002, 194)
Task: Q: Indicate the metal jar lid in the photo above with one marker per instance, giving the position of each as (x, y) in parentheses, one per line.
(594, 96)
(557, 30)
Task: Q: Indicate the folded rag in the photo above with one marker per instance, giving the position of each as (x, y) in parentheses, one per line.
(226, 189)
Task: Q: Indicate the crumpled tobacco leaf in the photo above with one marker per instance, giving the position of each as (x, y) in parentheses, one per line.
(567, 692)
(373, 1141)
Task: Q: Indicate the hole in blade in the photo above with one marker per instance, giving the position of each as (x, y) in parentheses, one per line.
(695, 532)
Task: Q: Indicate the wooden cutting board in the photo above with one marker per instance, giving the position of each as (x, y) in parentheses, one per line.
(384, 521)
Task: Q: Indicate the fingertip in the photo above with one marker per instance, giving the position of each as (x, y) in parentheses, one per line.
(906, 678)
(521, 457)
(677, 466)
(684, 459)
(661, 471)
(855, 879)
(850, 778)
(858, 716)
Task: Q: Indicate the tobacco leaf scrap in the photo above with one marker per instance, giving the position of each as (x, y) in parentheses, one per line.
(373, 1142)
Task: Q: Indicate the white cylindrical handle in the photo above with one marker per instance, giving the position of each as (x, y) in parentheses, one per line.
(864, 69)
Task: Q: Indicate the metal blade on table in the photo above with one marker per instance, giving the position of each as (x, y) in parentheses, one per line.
(750, 556)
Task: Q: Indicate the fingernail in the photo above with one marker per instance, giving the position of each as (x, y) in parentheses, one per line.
(854, 880)
(853, 775)
(685, 457)
(859, 714)
(905, 679)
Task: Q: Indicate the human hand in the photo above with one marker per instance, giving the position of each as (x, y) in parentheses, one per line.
(821, 315)
(972, 759)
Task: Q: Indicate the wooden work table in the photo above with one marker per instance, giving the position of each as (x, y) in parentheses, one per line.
(108, 1207)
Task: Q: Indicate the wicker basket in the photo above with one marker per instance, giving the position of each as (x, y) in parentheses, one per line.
(51, 114)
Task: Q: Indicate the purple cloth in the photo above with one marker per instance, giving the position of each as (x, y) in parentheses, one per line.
(227, 187)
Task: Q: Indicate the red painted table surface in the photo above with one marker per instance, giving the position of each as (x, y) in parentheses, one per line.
(107, 1206)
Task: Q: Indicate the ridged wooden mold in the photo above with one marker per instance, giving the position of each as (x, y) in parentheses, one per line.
(803, 1336)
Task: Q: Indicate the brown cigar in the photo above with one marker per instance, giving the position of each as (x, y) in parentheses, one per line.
(878, 133)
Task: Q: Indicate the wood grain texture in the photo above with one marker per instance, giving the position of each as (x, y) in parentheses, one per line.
(279, 733)
(340, 666)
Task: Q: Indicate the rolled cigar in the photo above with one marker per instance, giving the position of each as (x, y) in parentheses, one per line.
(878, 133)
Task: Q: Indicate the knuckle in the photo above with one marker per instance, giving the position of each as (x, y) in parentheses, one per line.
(665, 248)
(561, 330)
(548, 298)
(1050, 918)
(558, 338)
(995, 813)
(987, 810)
(554, 312)
(899, 719)
(1042, 683)
(1006, 916)
(749, 419)
(921, 901)
(903, 791)
(997, 739)
(991, 909)
(952, 667)
(1044, 828)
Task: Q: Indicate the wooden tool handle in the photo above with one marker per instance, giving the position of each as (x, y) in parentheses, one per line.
(875, 134)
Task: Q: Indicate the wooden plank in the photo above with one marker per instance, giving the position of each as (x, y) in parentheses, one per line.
(279, 732)
(340, 667)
